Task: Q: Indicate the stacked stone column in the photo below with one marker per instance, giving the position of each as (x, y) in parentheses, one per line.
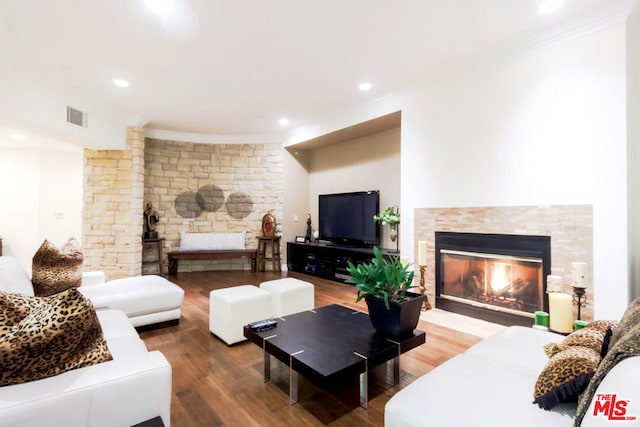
(112, 208)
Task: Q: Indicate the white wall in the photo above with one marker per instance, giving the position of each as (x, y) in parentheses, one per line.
(633, 146)
(547, 127)
(32, 107)
(41, 198)
(296, 197)
(367, 163)
(543, 128)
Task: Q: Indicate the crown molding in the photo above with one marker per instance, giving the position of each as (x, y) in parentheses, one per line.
(201, 138)
(589, 23)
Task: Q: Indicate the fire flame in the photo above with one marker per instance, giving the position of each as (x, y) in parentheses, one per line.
(499, 277)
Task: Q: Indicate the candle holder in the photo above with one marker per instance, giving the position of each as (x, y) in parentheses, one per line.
(426, 305)
(579, 284)
(579, 298)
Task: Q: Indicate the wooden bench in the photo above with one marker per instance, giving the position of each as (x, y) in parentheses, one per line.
(174, 256)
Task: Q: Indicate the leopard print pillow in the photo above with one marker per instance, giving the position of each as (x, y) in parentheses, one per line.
(46, 336)
(572, 364)
(587, 337)
(55, 270)
(15, 307)
(567, 373)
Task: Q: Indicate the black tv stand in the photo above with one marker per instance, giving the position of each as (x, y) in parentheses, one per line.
(344, 246)
(327, 260)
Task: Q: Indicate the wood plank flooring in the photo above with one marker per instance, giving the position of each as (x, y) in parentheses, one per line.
(219, 385)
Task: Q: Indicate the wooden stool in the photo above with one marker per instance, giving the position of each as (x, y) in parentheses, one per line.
(150, 248)
(263, 244)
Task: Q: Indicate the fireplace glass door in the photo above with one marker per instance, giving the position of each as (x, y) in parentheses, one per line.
(496, 282)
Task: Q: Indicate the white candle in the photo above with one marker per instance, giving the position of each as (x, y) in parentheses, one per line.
(560, 312)
(579, 274)
(422, 252)
(554, 283)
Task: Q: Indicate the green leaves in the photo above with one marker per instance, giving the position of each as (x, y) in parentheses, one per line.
(384, 277)
(390, 216)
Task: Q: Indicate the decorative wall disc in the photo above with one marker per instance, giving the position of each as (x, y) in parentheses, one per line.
(239, 205)
(212, 198)
(188, 204)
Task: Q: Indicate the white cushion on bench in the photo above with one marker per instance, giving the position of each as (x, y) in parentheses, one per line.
(211, 241)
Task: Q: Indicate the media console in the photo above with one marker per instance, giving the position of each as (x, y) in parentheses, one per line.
(328, 261)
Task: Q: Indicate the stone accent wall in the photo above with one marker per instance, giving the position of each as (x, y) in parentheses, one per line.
(112, 208)
(570, 228)
(239, 183)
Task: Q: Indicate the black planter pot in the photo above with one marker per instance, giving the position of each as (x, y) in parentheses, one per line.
(400, 319)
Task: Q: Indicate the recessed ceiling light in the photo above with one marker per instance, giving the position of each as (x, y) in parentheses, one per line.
(548, 6)
(364, 86)
(161, 7)
(120, 83)
(18, 137)
(283, 121)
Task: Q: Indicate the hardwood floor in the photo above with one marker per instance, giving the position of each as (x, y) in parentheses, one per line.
(219, 385)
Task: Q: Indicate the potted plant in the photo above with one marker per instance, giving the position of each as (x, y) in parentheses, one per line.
(390, 216)
(384, 284)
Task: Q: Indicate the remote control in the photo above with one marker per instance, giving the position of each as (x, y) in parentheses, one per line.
(263, 325)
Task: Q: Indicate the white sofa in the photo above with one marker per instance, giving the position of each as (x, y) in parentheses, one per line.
(133, 387)
(492, 384)
(145, 300)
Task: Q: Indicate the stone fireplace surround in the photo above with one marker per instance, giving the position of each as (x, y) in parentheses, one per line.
(569, 226)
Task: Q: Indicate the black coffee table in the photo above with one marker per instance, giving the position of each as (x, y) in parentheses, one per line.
(328, 345)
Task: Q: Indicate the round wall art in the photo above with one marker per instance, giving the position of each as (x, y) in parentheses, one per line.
(239, 205)
(212, 198)
(189, 204)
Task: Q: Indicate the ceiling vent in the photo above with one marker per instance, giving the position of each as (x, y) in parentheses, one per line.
(76, 117)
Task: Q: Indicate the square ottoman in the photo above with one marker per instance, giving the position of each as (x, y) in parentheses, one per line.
(230, 309)
(289, 295)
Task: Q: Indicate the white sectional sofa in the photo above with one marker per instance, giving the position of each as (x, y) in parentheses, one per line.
(133, 387)
(492, 384)
(145, 300)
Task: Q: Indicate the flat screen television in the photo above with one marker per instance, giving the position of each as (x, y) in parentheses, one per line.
(347, 218)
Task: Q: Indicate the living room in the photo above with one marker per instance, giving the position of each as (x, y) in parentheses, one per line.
(547, 125)
(562, 106)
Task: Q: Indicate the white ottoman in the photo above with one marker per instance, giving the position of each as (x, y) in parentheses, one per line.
(289, 296)
(230, 309)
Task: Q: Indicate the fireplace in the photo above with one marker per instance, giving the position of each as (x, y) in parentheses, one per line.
(496, 277)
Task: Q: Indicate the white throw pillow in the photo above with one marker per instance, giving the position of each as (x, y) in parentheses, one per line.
(13, 277)
(211, 241)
